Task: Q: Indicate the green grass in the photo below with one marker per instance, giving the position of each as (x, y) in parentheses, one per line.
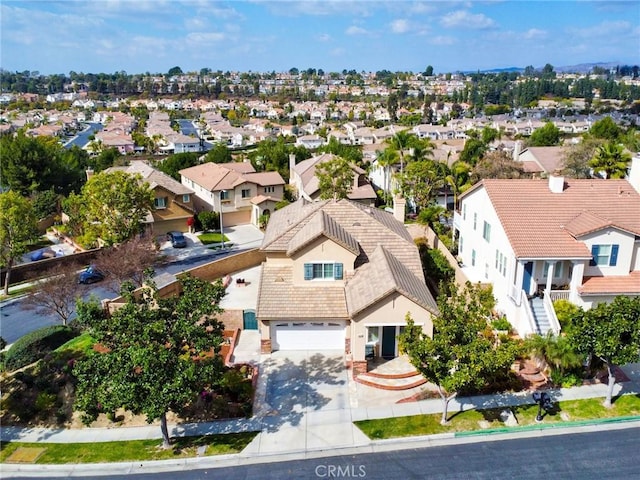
(77, 346)
(471, 420)
(134, 450)
(211, 237)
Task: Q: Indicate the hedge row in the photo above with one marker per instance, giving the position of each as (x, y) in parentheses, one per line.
(35, 345)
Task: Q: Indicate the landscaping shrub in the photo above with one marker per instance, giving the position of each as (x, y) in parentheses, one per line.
(501, 324)
(209, 220)
(35, 345)
(435, 265)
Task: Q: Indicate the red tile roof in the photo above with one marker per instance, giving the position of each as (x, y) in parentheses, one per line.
(542, 224)
(612, 285)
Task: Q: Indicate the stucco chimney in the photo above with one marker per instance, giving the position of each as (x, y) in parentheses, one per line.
(399, 205)
(292, 163)
(89, 172)
(517, 150)
(556, 183)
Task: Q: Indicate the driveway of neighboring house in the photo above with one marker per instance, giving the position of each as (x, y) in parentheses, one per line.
(303, 400)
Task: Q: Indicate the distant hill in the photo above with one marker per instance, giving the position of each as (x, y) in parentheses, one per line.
(579, 68)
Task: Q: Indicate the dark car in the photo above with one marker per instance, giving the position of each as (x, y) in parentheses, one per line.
(90, 275)
(42, 254)
(177, 239)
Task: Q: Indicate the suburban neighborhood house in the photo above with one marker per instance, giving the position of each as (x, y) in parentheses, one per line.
(340, 275)
(173, 202)
(236, 190)
(303, 178)
(537, 241)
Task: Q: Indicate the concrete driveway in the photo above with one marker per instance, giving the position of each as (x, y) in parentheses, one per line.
(304, 402)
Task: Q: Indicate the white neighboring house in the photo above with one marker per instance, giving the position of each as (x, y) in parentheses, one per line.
(537, 241)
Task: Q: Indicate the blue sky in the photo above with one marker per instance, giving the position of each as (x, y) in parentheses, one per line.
(140, 36)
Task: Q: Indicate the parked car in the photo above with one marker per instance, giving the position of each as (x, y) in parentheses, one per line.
(178, 240)
(90, 275)
(41, 254)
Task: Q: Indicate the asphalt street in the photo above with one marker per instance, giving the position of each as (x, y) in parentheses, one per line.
(605, 454)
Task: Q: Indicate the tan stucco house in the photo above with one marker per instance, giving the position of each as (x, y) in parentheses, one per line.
(339, 275)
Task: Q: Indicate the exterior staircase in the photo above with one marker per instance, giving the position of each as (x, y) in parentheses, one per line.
(540, 317)
(397, 374)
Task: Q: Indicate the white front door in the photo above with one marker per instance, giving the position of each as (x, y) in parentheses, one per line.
(308, 335)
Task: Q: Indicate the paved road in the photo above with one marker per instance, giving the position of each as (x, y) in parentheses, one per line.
(581, 456)
(16, 320)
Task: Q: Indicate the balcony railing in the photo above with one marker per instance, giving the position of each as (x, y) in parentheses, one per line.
(559, 295)
(551, 314)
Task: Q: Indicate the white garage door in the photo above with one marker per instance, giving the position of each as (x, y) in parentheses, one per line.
(307, 335)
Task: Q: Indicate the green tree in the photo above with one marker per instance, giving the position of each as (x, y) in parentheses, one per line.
(160, 354)
(220, 153)
(459, 356)
(174, 163)
(335, 178)
(605, 129)
(387, 158)
(421, 181)
(17, 230)
(474, 149)
(401, 142)
(115, 205)
(545, 136)
(611, 332)
(610, 159)
(576, 158)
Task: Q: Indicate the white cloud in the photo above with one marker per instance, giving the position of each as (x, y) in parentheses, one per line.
(463, 18)
(400, 26)
(205, 38)
(535, 34)
(604, 29)
(355, 30)
(323, 37)
(442, 40)
(195, 23)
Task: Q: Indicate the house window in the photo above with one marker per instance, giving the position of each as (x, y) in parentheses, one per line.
(475, 220)
(372, 334)
(604, 255)
(460, 244)
(323, 271)
(224, 195)
(186, 198)
(246, 192)
(473, 258)
(160, 202)
(486, 231)
(557, 269)
(269, 189)
(464, 211)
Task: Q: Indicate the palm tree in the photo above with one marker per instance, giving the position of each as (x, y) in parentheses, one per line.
(458, 180)
(386, 159)
(611, 159)
(400, 142)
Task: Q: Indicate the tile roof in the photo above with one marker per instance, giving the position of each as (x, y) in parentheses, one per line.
(612, 285)
(216, 176)
(549, 158)
(279, 298)
(383, 275)
(322, 224)
(155, 177)
(363, 230)
(542, 224)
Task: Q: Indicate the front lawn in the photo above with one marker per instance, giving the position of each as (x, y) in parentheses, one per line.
(209, 238)
(133, 450)
(472, 420)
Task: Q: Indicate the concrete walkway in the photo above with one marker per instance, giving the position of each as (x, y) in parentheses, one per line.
(306, 403)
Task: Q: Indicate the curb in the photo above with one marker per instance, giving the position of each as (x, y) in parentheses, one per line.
(541, 426)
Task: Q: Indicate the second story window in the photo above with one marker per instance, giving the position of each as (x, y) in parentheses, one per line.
(186, 198)
(604, 255)
(486, 231)
(323, 271)
(224, 195)
(246, 193)
(269, 189)
(160, 202)
(475, 220)
(464, 211)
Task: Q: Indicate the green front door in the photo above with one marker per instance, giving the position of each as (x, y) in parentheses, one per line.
(388, 342)
(249, 321)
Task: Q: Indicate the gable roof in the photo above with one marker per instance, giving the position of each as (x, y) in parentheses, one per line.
(383, 275)
(215, 176)
(155, 177)
(322, 224)
(542, 224)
